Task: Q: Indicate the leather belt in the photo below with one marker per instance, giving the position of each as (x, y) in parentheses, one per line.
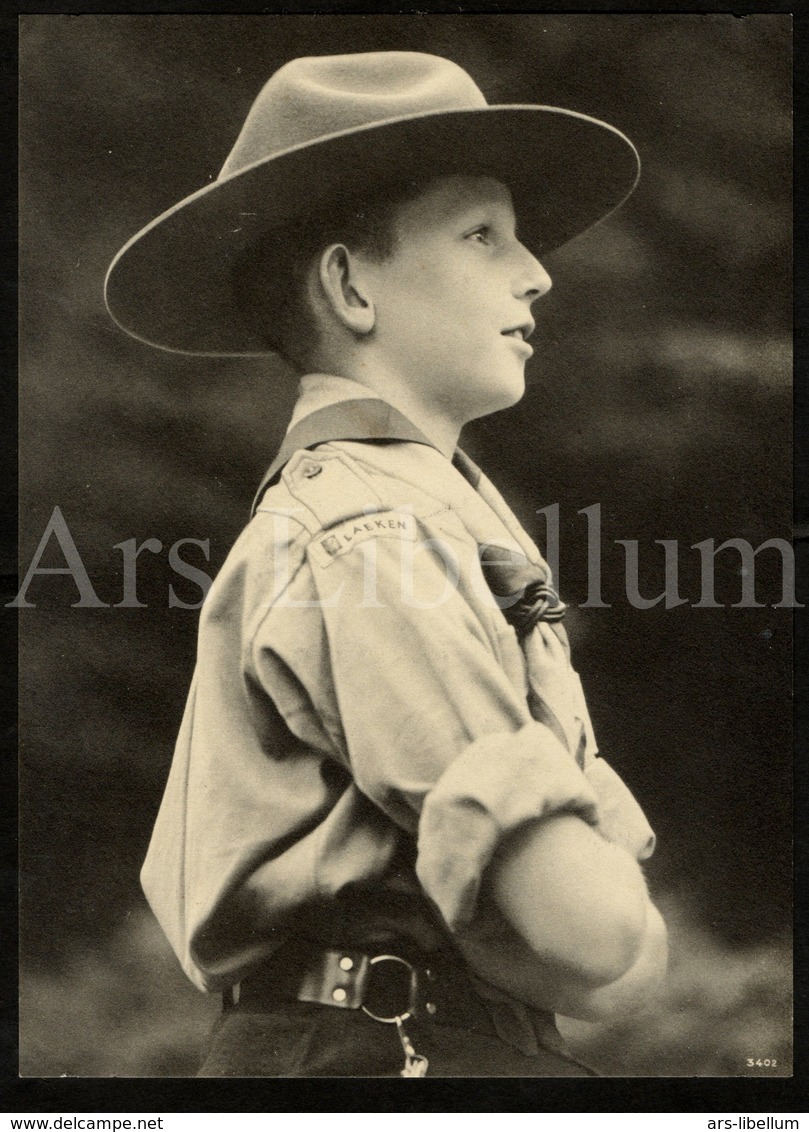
(385, 986)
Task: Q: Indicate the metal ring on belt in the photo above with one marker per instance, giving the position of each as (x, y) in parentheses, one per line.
(412, 1003)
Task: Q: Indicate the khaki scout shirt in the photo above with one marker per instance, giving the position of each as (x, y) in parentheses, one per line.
(362, 713)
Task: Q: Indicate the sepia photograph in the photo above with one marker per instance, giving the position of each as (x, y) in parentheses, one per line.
(406, 576)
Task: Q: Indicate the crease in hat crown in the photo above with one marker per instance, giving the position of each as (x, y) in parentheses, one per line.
(310, 98)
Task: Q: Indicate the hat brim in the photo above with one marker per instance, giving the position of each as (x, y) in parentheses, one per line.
(171, 285)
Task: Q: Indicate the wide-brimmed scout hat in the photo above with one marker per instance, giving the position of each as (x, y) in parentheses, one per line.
(336, 126)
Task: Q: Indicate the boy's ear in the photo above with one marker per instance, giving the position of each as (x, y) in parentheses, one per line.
(344, 290)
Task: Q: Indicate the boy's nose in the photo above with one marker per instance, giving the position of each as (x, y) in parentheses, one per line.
(533, 279)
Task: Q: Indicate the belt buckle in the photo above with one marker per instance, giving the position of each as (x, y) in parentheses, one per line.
(412, 1003)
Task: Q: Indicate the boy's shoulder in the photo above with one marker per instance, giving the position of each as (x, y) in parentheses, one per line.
(343, 480)
(329, 501)
(325, 503)
(321, 488)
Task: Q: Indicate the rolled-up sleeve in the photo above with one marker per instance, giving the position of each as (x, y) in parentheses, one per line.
(434, 727)
(497, 784)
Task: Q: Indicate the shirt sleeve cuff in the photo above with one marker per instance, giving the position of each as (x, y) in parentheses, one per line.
(620, 818)
(499, 783)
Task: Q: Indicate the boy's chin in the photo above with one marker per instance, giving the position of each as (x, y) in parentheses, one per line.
(508, 394)
(496, 406)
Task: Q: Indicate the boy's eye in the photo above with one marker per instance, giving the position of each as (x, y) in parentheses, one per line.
(481, 234)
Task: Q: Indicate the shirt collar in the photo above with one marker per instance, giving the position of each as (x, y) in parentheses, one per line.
(319, 390)
(337, 408)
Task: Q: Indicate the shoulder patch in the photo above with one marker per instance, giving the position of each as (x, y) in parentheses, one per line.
(344, 537)
(330, 487)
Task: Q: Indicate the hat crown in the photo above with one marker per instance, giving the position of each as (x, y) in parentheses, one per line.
(311, 98)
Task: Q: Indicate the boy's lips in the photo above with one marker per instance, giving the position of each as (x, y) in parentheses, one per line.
(522, 330)
(519, 334)
(523, 346)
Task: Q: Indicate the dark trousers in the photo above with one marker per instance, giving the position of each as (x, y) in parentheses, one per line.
(300, 1039)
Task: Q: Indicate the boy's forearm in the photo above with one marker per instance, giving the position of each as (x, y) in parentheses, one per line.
(569, 925)
(636, 991)
(577, 901)
(502, 959)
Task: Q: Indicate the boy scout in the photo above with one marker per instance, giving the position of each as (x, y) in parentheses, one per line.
(386, 836)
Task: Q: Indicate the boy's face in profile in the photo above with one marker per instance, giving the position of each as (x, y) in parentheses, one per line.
(453, 302)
